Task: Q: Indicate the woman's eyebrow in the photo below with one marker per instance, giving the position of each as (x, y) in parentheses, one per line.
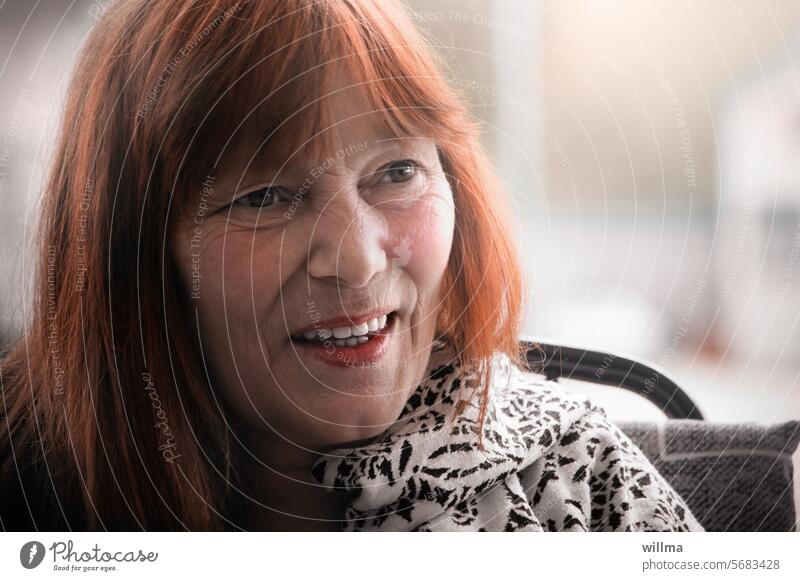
(404, 142)
(267, 173)
(398, 146)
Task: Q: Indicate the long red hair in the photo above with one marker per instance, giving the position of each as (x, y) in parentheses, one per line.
(159, 87)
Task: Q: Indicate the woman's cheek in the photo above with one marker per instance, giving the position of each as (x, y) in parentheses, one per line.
(253, 271)
(424, 237)
(229, 271)
(198, 263)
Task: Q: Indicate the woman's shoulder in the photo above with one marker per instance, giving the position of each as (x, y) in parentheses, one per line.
(593, 468)
(588, 463)
(29, 497)
(29, 503)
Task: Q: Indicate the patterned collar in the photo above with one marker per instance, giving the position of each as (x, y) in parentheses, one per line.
(429, 460)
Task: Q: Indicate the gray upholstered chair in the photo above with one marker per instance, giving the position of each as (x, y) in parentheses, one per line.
(734, 477)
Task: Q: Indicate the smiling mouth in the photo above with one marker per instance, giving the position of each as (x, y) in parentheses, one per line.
(348, 336)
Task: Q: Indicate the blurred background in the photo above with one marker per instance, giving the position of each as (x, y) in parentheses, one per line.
(651, 149)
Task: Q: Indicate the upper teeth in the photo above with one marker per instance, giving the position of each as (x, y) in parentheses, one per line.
(370, 326)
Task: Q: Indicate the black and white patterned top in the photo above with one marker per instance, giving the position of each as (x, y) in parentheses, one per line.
(553, 462)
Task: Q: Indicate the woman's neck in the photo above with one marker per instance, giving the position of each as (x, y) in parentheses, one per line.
(291, 500)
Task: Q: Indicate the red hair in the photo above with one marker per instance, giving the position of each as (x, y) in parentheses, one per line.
(157, 86)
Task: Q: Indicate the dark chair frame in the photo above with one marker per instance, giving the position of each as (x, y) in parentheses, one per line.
(557, 361)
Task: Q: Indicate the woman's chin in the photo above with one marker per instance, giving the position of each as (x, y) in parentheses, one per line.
(388, 381)
(355, 428)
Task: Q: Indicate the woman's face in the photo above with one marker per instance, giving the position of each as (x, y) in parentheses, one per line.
(317, 281)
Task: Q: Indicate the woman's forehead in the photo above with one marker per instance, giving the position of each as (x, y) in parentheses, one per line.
(349, 150)
(341, 116)
(350, 127)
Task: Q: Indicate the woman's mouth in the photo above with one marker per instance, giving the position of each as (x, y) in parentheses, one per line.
(350, 346)
(346, 336)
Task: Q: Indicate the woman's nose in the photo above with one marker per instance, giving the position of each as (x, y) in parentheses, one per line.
(348, 242)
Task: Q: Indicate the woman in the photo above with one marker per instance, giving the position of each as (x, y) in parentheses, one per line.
(276, 292)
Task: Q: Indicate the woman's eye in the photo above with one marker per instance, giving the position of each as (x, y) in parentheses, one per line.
(399, 171)
(262, 198)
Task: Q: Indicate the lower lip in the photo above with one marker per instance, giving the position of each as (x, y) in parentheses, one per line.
(361, 355)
